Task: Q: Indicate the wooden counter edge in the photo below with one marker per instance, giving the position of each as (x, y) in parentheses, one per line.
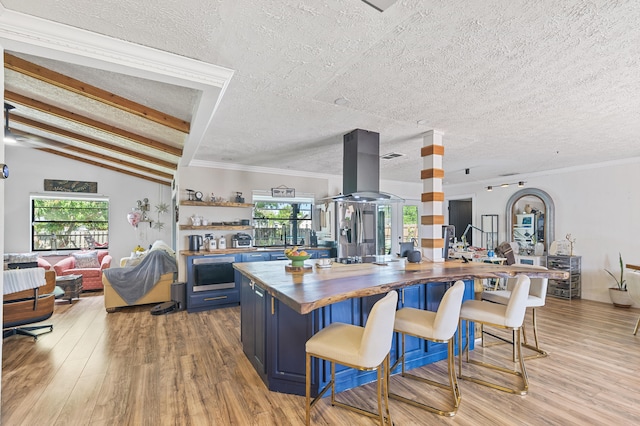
(308, 307)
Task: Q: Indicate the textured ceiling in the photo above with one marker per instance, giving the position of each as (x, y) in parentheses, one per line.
(515, 86)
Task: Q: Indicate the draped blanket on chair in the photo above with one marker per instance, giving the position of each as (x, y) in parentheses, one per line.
(134, 282)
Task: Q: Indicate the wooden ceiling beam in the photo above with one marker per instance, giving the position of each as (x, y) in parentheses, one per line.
(78, 150)
(85, 139)
(76, 86)
(104, 166)
(67, 115)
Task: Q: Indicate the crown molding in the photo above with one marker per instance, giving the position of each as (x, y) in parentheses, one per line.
(32, 35)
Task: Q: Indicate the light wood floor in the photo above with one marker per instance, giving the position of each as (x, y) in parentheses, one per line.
(132, 368)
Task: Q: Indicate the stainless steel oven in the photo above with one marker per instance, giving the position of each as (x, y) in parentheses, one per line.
(213, 273)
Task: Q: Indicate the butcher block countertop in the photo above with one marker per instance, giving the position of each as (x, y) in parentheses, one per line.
(245, 250)
(318, 287)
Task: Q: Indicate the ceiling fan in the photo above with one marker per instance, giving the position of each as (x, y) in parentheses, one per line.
(9, 137)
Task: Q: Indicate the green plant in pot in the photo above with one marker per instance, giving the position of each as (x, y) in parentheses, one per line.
(619, 294)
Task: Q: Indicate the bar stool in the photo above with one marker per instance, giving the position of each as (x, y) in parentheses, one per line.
(633, 287)
(537, 298)
(437, 327)
(509, 316)
(363, 348)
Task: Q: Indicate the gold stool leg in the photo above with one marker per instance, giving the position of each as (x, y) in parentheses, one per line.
(635, 330)
(308, 391)
(311, 403)
(522, 373)
(540, 352)
(452, 387)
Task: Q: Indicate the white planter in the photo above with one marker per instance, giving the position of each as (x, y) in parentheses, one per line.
(620, 298)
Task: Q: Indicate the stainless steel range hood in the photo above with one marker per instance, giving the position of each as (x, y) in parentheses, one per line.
(361, 169)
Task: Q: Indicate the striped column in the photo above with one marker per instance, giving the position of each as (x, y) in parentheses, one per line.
(432, 197)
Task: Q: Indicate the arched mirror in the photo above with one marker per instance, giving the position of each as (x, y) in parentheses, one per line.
(530, 218)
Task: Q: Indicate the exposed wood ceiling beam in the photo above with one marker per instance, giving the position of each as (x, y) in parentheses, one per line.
(60, 145)
(85, 139)
(48, 76)
(59, 112)
(104, 166)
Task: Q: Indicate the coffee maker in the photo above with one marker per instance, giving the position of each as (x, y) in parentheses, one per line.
(195, 242)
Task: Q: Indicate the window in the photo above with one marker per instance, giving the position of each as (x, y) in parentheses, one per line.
(60, 223)
(282, 222)
(409, 222)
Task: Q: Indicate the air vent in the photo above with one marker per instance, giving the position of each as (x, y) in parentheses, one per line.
(391, 155)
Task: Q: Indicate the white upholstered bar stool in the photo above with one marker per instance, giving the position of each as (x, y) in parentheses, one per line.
(363, 348)
(438, 327)
(537, 298)
(510, 317)
(633, 287)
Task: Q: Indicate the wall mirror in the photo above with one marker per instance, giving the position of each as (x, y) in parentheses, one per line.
(530, 219)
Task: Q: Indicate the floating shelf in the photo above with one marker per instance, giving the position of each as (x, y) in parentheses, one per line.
(215, 227)
(214, 204)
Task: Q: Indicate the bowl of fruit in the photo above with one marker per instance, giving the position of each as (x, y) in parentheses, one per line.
(296, 257)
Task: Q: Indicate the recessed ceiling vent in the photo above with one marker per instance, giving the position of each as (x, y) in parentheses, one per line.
(391, 155)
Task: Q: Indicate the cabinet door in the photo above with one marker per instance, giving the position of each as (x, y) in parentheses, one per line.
(247, 317)
(288, 332)
(253, 326)
(320, 254)
(255, 257)
(278, 255)
(260, 327)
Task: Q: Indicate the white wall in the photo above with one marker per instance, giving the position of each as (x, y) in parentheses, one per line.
(29, 169)
(225, 183)
(598, 206)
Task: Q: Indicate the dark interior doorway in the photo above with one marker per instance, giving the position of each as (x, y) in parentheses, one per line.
(460, 216)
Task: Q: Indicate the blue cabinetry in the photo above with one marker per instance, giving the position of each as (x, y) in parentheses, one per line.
(319, 254)
(255, 257)
(209, 299)
(201, 298)
(253, 309)
(279, 356)
(277, 255)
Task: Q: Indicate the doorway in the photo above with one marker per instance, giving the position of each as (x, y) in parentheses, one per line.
(460, 215)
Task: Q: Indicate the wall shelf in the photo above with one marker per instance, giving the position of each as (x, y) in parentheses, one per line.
(214, 204)
(215, 227)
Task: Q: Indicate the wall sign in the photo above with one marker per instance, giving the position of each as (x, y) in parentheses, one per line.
(283, 192)
(70, 186)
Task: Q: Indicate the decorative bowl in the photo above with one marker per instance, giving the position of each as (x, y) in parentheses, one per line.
(298, 260)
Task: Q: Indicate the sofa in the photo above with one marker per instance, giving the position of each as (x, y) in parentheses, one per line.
(25, 260)
(89, 264)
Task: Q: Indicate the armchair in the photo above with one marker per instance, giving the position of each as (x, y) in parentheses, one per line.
(91, 276)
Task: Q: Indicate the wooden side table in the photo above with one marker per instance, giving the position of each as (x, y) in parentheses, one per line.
(72, 286)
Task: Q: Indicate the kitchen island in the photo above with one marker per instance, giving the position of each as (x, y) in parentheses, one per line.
(280, 310)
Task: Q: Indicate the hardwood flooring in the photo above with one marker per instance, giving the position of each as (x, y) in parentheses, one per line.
(132, 368)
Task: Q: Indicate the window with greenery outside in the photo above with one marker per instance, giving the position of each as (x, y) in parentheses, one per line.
(282, 223)
(69, 223)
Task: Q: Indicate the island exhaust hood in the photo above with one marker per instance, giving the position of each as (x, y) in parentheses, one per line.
(361, 169)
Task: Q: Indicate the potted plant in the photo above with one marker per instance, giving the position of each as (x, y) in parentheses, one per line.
(619, 294)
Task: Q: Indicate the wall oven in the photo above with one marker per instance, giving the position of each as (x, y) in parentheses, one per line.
(213, 273)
